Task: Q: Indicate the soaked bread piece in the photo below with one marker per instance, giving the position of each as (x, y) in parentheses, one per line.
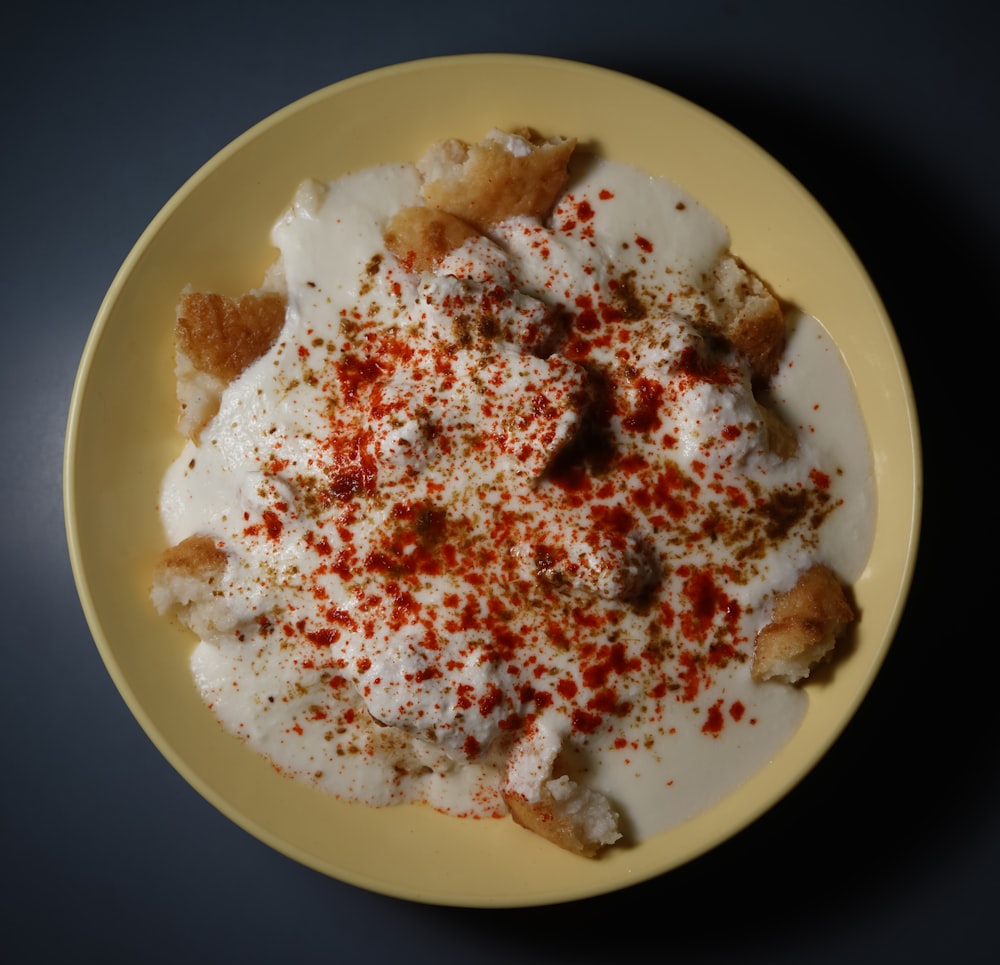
(746, 315)
(186, 578)
(569, 815)
(216, 339)
(420, 237)
(502, 176)
(196, 556)
(804, 627)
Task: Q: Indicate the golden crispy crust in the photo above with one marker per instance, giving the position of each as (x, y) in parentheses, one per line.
(541, 818)
(485, 183)
(748, 316)
(222, 336)
(420, 237)
(216, 338)
(804, 627)
(195, 556)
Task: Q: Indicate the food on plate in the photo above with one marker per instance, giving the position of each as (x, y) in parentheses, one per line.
(504, 493)
(806, 622)
(498, 178)
(217, 338)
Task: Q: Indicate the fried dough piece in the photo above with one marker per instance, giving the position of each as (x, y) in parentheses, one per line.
(216, 339)
(504, 175)
(781, 438)
(804, 627)
(568, 815)
(747, 316)
(185, 578)
(197, 556)
(420, 236)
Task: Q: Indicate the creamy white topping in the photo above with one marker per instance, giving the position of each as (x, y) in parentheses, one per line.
(513, 520)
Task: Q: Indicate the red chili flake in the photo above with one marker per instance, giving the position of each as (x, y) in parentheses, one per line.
(706, 600)
(719, 654)
(352, 470)
(341, 617)
(613, 661)
(737, 496)
(587, 321)
(632, 464)
(567, 689)
(324, 637)
(714, 721)
(340, 564)
(693, 364)
(490, 700)
(512, 723)
(354, 373)
(603, 702)
(644, 243)
(737, 710)
(646, 415)
(690, 676)
(674, 492)
(615, 519)
(465, 695)
(273, 524)
(585, 723)
(820, 479)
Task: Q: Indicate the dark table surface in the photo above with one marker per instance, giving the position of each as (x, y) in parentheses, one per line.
(887, 852)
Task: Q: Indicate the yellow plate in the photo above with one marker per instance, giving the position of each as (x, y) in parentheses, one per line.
(214, 234)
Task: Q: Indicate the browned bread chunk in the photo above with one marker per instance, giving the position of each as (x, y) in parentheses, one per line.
(502, 176)
(186, 580)
(223, 336)
(748, 316)
(197, 556)
(804, 627)
(420, 237)
(577, 822)
(217, 338)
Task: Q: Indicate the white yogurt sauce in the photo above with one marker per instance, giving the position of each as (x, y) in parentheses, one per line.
(412, 540)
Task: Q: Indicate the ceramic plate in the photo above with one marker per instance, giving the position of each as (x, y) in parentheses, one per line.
(214, 235)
